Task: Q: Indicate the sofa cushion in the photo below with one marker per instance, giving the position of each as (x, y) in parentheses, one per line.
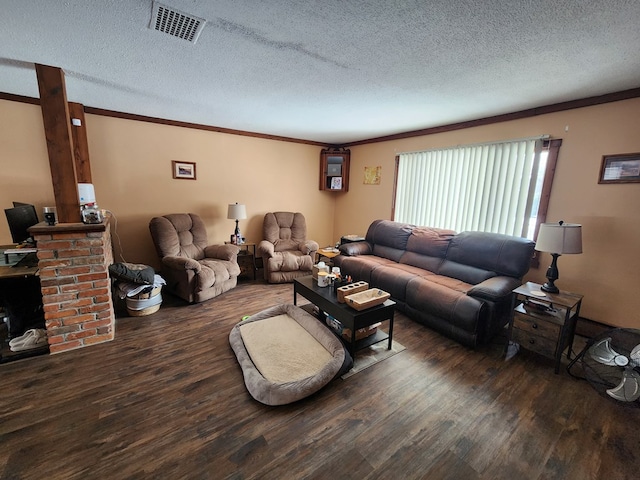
(452, 283)
(466, 273)
(417, 271)
(435, 299)
(393, 278)
(425, 262)
(433, 242)
(355, 248)
(503, 254)
(391, 253)
(360, 267)
(389, 234)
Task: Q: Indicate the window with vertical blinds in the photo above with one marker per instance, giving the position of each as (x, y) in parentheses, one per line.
(492, 187)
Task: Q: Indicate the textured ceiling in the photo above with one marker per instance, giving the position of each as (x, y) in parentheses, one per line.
(331, 71)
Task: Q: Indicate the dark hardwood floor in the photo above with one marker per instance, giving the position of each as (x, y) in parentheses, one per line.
(166, 399)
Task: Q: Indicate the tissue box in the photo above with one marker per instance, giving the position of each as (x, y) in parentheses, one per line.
(315, 269)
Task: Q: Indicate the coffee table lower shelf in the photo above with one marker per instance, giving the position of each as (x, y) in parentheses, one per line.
(361, 344)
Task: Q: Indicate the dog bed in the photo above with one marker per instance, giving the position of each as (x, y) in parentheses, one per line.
(286, 354)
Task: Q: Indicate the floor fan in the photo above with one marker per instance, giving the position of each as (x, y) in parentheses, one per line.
(611, 363)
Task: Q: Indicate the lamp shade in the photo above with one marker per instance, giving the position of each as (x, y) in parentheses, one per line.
(561, 238)
(236, 211)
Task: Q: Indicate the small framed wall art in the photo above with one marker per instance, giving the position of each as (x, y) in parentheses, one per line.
(184, 170)
(372, 175)
(624, 168)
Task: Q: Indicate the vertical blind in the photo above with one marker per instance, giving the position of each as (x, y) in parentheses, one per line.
(487, 187)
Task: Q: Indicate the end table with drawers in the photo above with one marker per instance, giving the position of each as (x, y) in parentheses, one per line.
(544, 322)
(246, 259)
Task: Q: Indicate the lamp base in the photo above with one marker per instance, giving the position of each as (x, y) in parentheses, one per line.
(552, 275)
(237, 238)
(549, 287)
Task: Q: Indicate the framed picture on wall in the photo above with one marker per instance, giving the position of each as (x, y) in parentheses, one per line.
(372, 175)
(184, 170)
(624, 168)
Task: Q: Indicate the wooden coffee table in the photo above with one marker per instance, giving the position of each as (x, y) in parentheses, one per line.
(327, 301)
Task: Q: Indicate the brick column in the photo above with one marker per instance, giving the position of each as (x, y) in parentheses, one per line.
(76, 290)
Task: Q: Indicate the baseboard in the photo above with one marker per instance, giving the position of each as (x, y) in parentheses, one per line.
(590, 328)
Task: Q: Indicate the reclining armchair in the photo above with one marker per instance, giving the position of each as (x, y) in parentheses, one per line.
(193, 270)
(286, 253)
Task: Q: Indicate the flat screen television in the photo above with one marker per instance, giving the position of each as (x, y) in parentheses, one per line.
(20, 218)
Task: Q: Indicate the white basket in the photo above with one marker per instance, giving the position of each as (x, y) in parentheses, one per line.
(138, 307)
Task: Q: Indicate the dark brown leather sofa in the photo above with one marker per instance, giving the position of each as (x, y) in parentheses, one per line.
(458, 284)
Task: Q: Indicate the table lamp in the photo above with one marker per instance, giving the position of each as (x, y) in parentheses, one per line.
(558, 239)
(237, 212)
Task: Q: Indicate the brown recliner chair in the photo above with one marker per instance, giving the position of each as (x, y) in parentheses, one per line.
(286, 253)
(193, 270)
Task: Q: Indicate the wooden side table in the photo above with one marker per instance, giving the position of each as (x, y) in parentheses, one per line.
(246, 258)
(327, 253)
(544, 322)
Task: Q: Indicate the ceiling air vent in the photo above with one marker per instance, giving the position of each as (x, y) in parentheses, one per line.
(174, 22)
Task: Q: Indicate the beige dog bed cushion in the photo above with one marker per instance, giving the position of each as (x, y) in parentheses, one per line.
(286, 354)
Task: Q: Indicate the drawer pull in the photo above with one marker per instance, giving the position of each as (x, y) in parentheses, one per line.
(532, 341)
(535, 326)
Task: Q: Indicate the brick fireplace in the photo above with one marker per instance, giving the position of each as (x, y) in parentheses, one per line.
(73, 262)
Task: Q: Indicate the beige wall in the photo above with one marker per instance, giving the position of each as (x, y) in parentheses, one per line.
(131, 166)
(131, 170)
(24, 164)
(608, 270)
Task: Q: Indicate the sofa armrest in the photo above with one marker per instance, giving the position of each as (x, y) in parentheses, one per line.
(222, 252)
(266, 249)
(181, 263)
(309, 247)
(495, 289)
(355, 248)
